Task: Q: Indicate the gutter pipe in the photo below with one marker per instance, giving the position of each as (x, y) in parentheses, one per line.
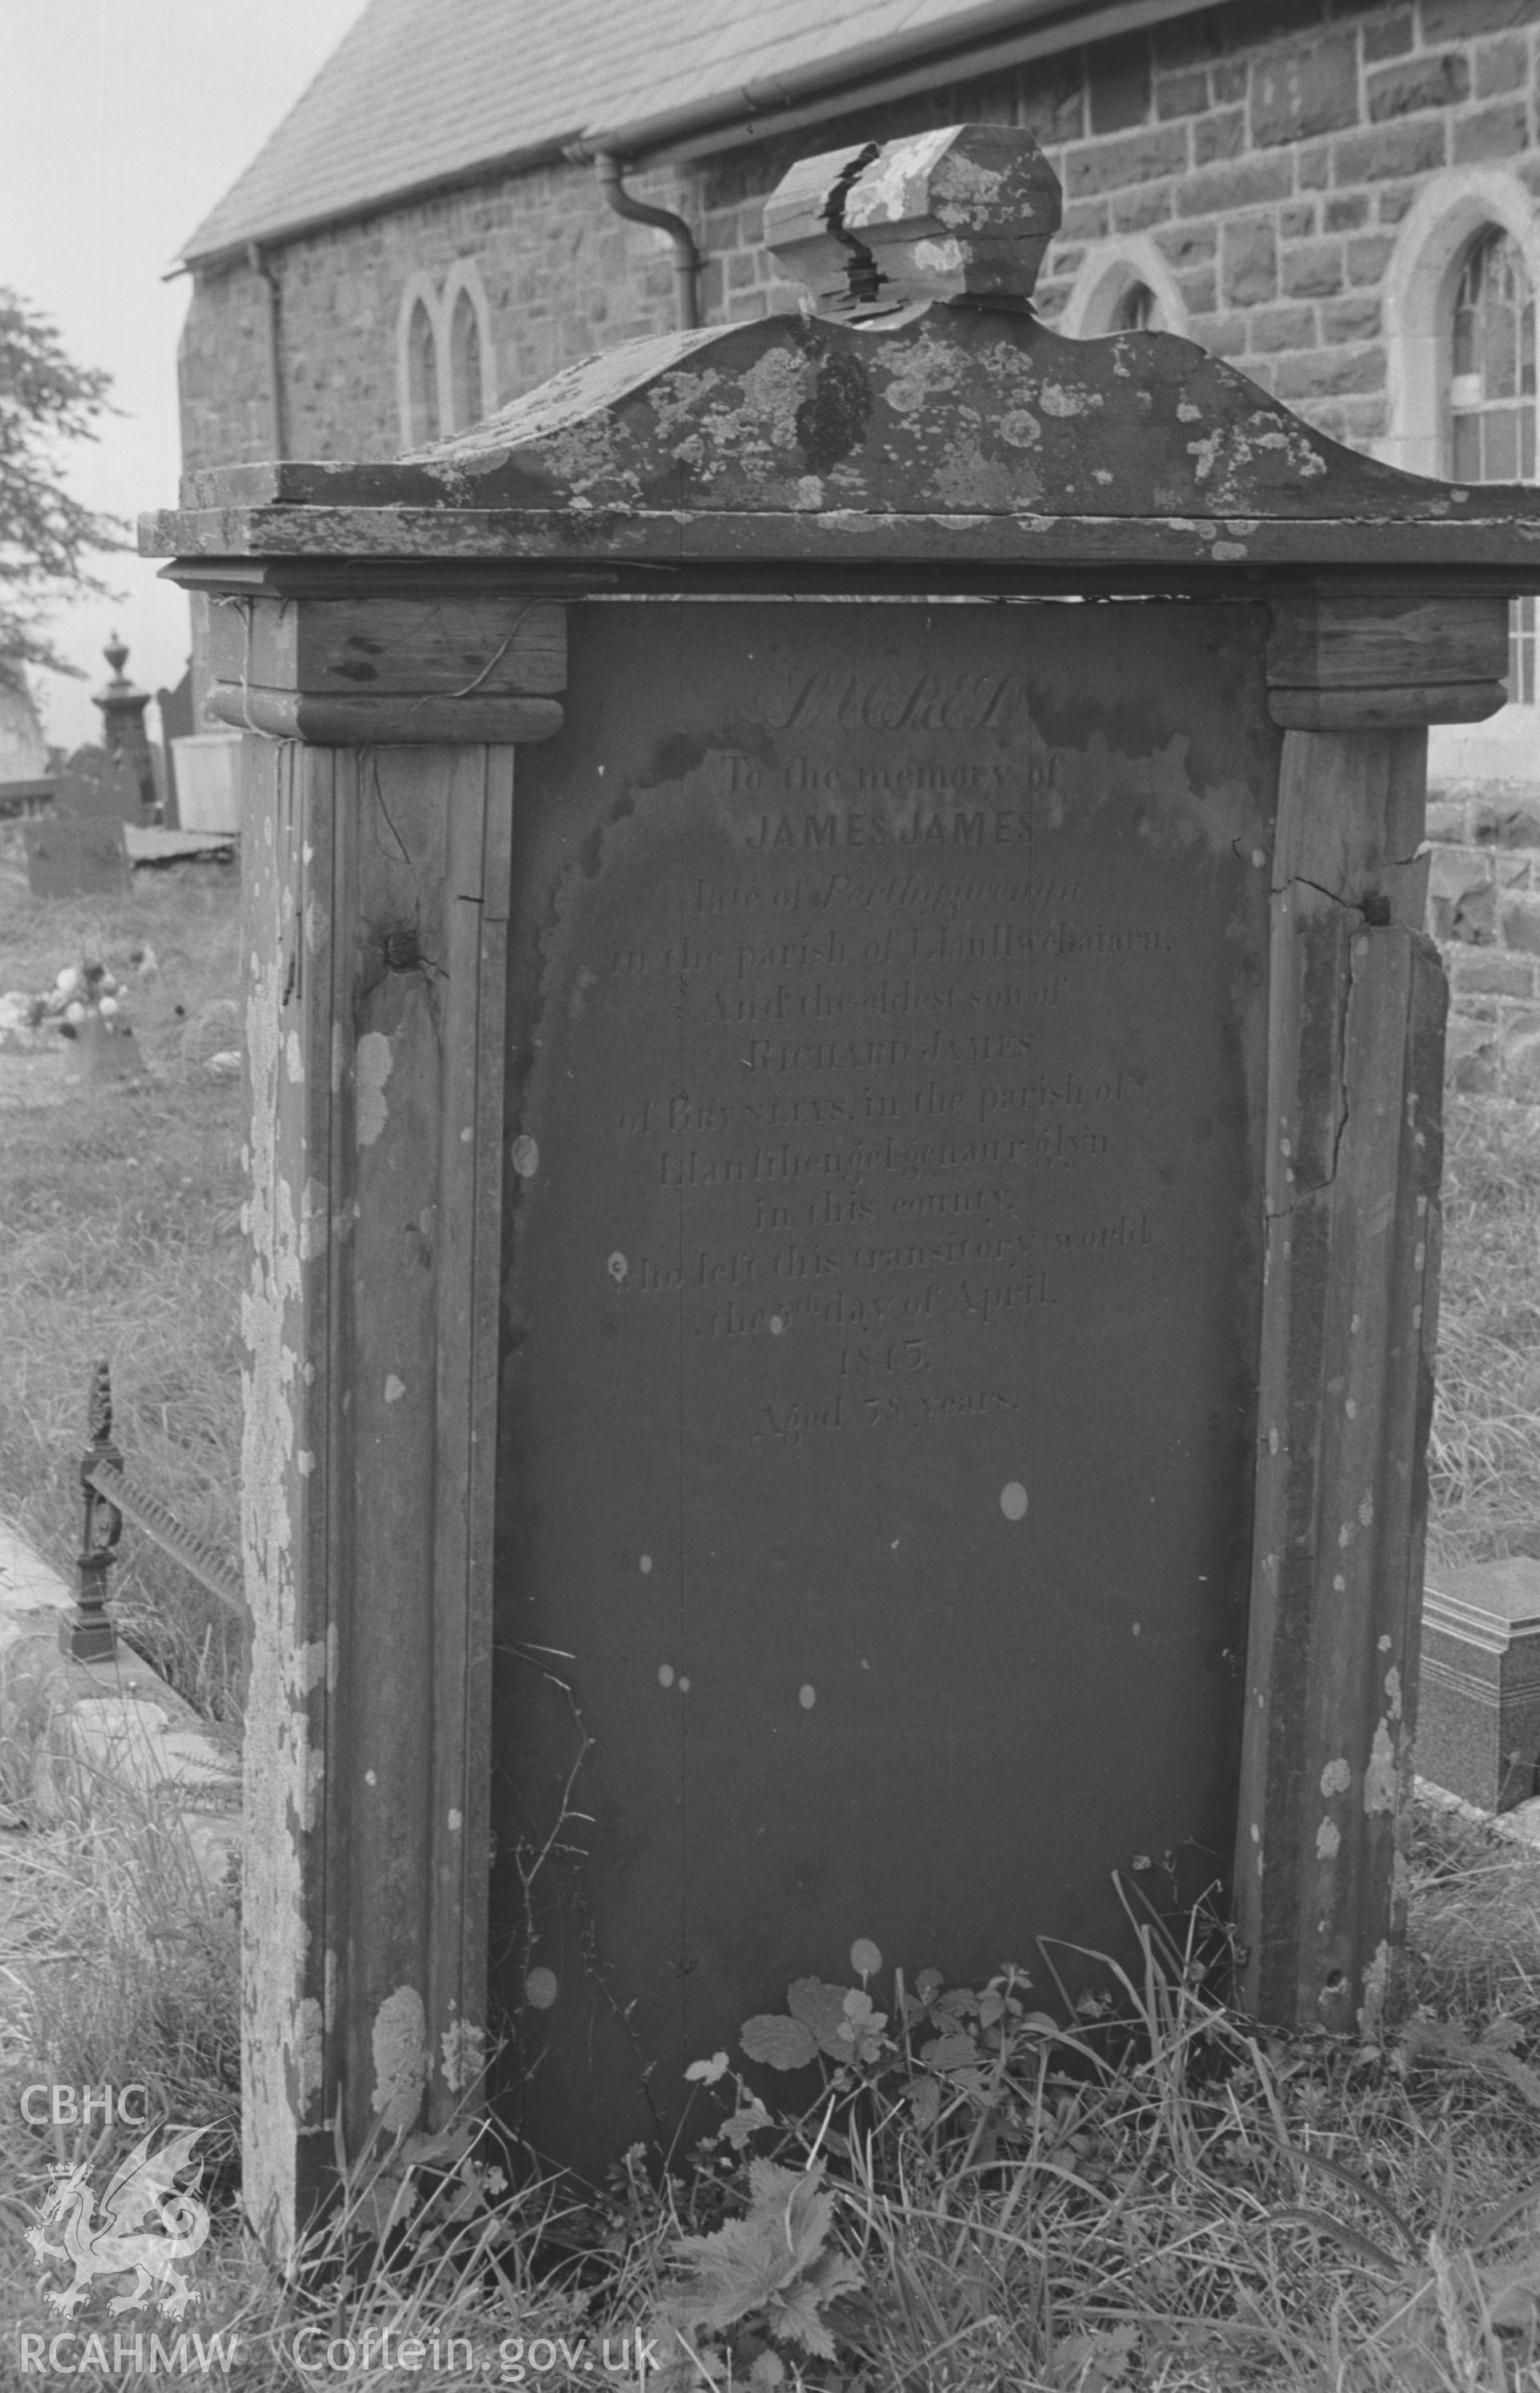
(954, 50)
(958, 50)
(686, 257)
(264, 271)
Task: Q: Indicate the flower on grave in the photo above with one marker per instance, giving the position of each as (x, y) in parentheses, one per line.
(80, 992)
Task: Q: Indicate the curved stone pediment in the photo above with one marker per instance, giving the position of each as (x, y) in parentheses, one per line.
(915, 412)
(941, 407)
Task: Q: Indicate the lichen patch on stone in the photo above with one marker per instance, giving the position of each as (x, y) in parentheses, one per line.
(1379, 1778)
(372, 1070)
(400, 2054)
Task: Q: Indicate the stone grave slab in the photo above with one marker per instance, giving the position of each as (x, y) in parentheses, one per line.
(1479, 1694)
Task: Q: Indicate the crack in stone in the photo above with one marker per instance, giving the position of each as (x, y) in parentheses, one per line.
(862, 271)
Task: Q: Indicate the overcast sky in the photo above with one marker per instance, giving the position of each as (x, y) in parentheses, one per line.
(120, 123)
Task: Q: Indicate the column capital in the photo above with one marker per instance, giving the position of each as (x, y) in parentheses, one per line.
(345, 656)
(1371, 659)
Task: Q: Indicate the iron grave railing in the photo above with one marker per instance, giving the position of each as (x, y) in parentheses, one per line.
(110, 1497)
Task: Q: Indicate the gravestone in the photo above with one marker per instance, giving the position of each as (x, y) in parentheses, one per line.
(123, 709)
(81, 850)
(1478, 1708)
(176, 712)
(99, 786)
(845, 1147)
(76, 856)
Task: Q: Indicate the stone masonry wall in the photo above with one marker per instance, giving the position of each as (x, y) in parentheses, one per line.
(1268, 149)
(563, 276)
(1483, 907)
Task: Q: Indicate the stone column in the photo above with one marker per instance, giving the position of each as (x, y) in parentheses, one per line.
(123, 728)
(380, 772)
(1355, 1078)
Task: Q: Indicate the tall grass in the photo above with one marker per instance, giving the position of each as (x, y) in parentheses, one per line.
(1157, 2197)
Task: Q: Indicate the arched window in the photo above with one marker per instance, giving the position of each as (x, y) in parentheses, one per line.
(421, 365)
(1123, 286)
(1491, 397)
(445, 362)
(1492, 365)
(466, 363)
(1138, 311)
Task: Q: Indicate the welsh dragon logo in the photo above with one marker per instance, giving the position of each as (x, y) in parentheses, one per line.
(143, 2195)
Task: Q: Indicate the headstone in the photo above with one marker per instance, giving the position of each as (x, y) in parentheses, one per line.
(77, 856)
(175, 706)
(176, 712)
(1479, 1714)
(99, 785)
(852, 1154)
(208, 781)
(123, 710)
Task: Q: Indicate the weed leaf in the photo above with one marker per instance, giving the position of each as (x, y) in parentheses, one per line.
(779, 2041)
(745, 2122)
(924, 2098)
(771, 2262)
(822, 2011)
(793, 2317)
(957, 2051)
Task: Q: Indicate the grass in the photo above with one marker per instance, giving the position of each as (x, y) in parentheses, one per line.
(120, 1236)
(1484, 1454)
(1158, 2199)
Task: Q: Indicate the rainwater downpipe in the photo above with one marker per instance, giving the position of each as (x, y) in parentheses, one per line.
(265, 274)
(686, 257)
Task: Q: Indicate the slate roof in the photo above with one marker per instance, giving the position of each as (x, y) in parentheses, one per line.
(423, 91)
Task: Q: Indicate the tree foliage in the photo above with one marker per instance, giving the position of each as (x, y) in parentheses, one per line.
(46, 402)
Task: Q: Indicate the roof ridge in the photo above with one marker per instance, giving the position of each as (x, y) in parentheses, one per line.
(423, 94)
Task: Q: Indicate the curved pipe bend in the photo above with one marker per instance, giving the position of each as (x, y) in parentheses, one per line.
(610, 170)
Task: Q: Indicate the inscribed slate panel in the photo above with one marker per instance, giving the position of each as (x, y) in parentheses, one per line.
(886, 1075)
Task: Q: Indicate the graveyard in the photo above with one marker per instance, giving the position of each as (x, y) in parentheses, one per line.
(838, 1282)
(1446, 2089)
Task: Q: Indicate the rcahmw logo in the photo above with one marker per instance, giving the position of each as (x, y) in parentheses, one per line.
(143, 2355)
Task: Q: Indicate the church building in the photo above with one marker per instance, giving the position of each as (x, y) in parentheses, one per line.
(1341, 196)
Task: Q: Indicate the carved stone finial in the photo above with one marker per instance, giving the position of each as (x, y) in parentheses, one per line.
(963, 213)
